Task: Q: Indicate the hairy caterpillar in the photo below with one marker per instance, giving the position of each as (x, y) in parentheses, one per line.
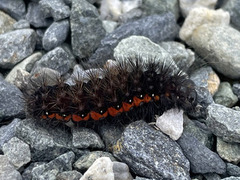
(134, 87)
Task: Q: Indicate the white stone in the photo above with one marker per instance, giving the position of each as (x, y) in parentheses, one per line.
(201, 16)
(187, 5)
(101, 169)
(171, 123)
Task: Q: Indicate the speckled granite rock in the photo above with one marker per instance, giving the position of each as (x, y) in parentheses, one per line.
(17, 152)
(15, 46)
(86, 28)
(202, 160)
(6, 23)
(150, 153)
(7, 171)
(224, 122)
(15, 9)
(156, 27)
(11, 104)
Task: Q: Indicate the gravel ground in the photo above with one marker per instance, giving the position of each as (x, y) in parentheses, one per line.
(201, 36)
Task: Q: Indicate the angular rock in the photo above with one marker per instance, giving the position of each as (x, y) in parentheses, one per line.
(151, 7)
(86, 28)
(54, 8)
(85, 161)
(225, 96)
(26, 65)
(187, 5)
(15, 46)
(7, 171)
(102, 168)
(156, 27)
(121, 171)
(231, 178)
(150, 153)
(56, 59)
(51, 169)
(55, 35)
(171, 123)
(11, 104)
(236, 89)
(207, 78)
(8, 131)
(202, 159)
(46, 142)
(182, 56)
(202, 16)
(35, 17)
(6, 23)
(224, 122)
(228, 151)
(21, 24)
(200, 131)
(84, 138)
(27, 173)
(15, 9)
(69, 175)
(233, 8)
(233, 170)
(17, 152)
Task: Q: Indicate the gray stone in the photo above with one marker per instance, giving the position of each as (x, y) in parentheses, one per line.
(56, 59)
(236, 89)
(131, 15)
(212, 176)
(7, 171)
(224, 122)
(8, 131)
(21, 24)
(6, 23)
(204, 99)
(84, 138)
(109, 26)
(15, 9)
(150, 153)
(17, 152)
(156, 27)
(225, 96)
(85, 161)
(231, 178)
(35, 17)
(55, 35)
(11, 104)
(121, 171)
(69, 175)
(26, 65)
(233, 170)
(46, 142)
(27, 173)
(233, 8)
(51, 169)
(54, 8)
(151, 7)
(200, 131)
(202, 159)
(182, 56)
(141, 178)
(86, 28)
(228, 151)
(219, 46)
(207, 78)
(15, 46)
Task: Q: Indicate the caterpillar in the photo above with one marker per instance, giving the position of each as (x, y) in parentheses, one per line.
(133, 88)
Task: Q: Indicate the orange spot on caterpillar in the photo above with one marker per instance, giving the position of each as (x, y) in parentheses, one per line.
(156, 98)
(127, 107)
(58, 117)
(114, 112)
(43, 117)
(67, 118)
(147, 98)
(77, 118)
(51, 116)
(96, 116)
(137, 101)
